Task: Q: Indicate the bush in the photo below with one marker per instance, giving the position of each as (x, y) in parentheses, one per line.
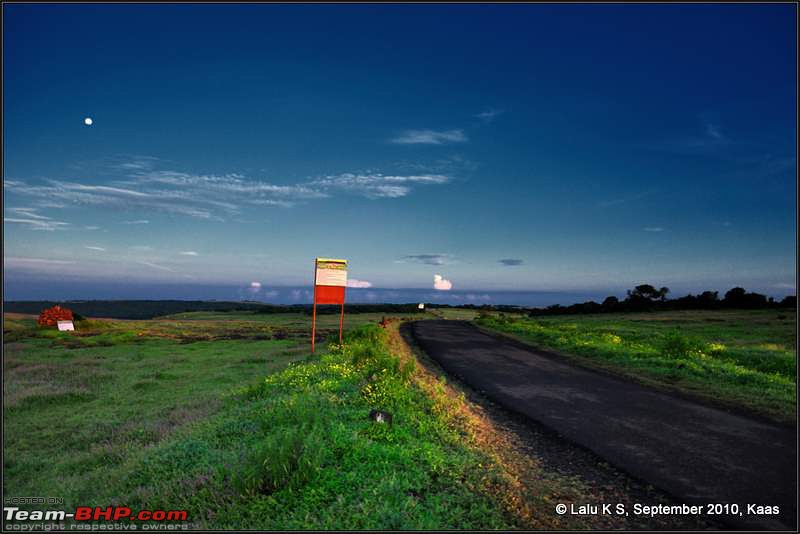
(677, 345)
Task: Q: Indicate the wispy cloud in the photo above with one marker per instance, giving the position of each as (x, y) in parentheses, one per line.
(73, 193)
(510, 262)
(427, 259)
(489, 115)
(34, 220)
(38, 224)
(30, 213)
(378, 185)
(137, 163)
(784, 285)
(623, 199)
(17, 261)
(441, 284)
(707, 140)
(188, 253)
(204, 196)
(653, 229)
(430, 137)
(713, 131)
(449, 165)
(91, 227)
(156, 266)
(352, 282)
(235, 186)
(91, 247)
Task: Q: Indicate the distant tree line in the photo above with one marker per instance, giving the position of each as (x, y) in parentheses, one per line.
(148, 309)
(642, 298)
(138, 309)
(646, 297)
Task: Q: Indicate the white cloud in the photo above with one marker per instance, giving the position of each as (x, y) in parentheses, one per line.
(210, 197)
(38, 224)
(30, 213)
(188, 253)
(115, 197)
(376, 185)
(441, 284)
(352, 282)
(430, 137)
(489, 115)
(653, 229)
(91, 227)
(90, 247)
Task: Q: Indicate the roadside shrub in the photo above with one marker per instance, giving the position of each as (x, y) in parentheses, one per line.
(676, 345)
(611, 338)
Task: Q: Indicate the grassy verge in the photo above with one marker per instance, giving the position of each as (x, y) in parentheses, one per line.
(741, 359)
(298, 451)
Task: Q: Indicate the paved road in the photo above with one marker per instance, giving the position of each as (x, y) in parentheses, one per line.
(696, 453)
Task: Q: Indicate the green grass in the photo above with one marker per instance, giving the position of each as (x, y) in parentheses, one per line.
(302, 454)
(739, 358)
(175, 414)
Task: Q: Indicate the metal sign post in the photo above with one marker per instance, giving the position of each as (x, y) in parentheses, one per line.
(330, 281)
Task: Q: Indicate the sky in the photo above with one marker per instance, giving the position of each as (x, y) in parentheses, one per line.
(460, 149)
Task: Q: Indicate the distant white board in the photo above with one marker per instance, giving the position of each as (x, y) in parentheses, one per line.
(331, 272)
(421, 306)
(65, 325)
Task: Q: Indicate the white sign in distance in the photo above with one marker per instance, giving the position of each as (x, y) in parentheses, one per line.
(331, 273)
(65, 326)
(421, 306)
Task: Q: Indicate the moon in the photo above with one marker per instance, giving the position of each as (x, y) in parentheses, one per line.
(87, 121)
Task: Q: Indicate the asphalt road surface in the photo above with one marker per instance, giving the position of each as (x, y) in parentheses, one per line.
(696, 453)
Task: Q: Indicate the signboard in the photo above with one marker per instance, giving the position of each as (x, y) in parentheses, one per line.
(66, 326)
(330, 281)
(331, 272)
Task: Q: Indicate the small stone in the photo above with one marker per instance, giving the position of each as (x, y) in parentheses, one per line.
(380, 416)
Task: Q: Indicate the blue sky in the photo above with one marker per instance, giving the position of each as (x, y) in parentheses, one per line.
(502, 147)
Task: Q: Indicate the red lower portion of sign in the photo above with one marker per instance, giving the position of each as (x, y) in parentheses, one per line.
(329, 294)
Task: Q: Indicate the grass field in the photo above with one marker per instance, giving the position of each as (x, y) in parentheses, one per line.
(745, 359)
(228, 416)
(176, 413)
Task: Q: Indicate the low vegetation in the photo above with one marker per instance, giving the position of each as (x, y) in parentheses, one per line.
(226, 414)
(745, 359)
(300, 452)
(243, 432)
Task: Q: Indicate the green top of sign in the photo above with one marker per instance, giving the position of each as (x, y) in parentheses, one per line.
(330, 261)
